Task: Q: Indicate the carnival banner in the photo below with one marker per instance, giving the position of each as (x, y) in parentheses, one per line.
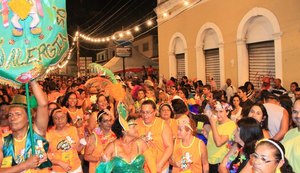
(33, 36)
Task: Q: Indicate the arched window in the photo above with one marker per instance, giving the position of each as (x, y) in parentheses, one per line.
(259, 42)
(210, 54)
(178, 56)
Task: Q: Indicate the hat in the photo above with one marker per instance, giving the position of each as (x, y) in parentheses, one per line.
(149, 83)
(22, 101)
(170, 83)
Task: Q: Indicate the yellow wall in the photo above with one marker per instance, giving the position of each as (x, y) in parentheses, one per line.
(227, 15)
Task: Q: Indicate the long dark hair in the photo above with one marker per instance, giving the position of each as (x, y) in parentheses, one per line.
(64, 102)
(264, 122)
(250, 133)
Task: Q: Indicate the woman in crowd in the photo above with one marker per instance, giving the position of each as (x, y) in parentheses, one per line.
(64, 143)
(70, 102)
(98, 140)
(126, 154)
(51, 106)
(166, 113)
(104, 105)
(250, 91)
(221, 130)
(141, 95)
(259, 112)
(268, 158)
(245, 138)
(235, 114)
(189, 152)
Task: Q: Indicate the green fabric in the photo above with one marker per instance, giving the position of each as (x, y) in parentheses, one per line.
(119, 165)
(27, 56)
(291, 143)
(8, 148)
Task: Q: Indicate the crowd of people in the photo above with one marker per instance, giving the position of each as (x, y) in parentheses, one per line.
(178, 126)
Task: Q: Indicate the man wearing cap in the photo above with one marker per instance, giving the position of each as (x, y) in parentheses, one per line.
(15, 149)
(157, 133)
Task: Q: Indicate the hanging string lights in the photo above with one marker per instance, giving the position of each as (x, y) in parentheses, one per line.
(105, 39)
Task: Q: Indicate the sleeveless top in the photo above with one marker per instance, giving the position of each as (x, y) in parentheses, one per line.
(100, 144)
(41, 147)
(189, 156)
(120, 165)
(153, 133)
(63, 147)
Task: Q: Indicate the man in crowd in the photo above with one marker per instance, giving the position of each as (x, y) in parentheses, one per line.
(157, 134)
(292, 139)
(246, 103)
(278, 90)
(15, 149)
(229, 89)
(278, 117)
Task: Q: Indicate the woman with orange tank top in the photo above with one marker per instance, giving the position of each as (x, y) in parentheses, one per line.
(189, 154)
(98, 140)
(166, 113)
(64, 143)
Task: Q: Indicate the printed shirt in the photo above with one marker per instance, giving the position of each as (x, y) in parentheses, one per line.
(63, 147)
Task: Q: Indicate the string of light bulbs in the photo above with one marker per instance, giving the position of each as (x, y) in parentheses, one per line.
(137, 28)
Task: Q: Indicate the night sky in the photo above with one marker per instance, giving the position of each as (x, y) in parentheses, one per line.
(99, 18)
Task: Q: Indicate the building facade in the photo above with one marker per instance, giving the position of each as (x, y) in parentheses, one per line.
(242, 40)
(148, 46)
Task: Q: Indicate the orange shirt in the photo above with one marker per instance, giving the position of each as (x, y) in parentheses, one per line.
(174, 127)
(101, 142)
(78, 114)
(154, 133)
(189, 156)
(63, 147)
(52, 97)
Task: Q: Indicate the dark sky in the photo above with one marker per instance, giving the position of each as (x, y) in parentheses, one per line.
(105, 17)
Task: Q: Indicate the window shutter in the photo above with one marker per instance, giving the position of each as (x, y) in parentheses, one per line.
(261, 62)
(180, 65)
(212, 65)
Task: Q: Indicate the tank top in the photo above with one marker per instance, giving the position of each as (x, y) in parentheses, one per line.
(100, 144)
(123, 166)
(154, 134)
(189, 156)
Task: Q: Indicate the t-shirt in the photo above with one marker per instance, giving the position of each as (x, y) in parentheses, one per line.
(63, 147)
(291, 143)
(216, 154)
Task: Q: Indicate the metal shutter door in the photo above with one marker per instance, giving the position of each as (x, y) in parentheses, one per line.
(180, 65)
(261, 62)
(212, 65)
